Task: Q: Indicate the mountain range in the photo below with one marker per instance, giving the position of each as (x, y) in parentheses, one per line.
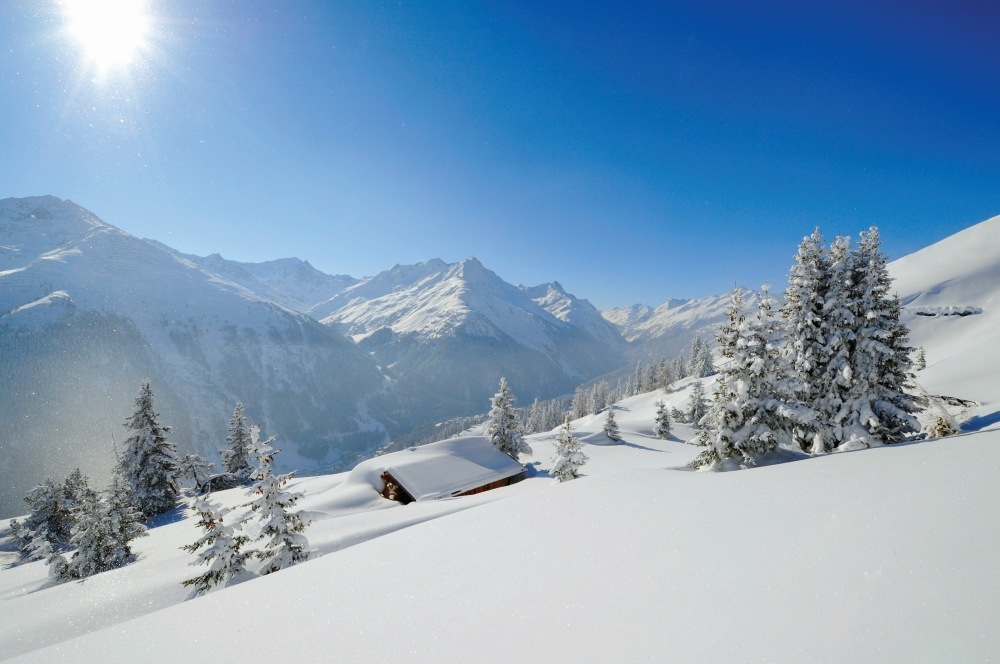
(333, 365)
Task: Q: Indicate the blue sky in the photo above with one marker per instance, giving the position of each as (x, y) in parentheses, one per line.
(632, 151)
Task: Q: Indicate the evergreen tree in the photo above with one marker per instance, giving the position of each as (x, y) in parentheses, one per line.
(282, 529)
(920, 363)
(666, 376)
(662, 429)
(56, 562)
(236, 457)
(697, 407)
(877, 409)
(104, 531)
(503, 430)
(749, 416)
(703, 362)
(807, 349)
(581, 402)
(221, 548)
(53, 509)
(149, 463)
(569, 455)
(680, 367)
(610, 426)
(600, 396)
(21, 538)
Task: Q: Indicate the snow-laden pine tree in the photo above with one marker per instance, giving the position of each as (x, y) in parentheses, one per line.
(503, 429)
(750, 414)
(149, 463)
(611, 426)
(21, 538)
(220, 547)
(920, 361)
(697, 406)
(666, 375)
(806, 349)
(877, 409)
(581, 401)
(280, 529)
(680, 367)
(103, 533)
(48, 518)
(236, 456)
(569, 455)
(662, 422)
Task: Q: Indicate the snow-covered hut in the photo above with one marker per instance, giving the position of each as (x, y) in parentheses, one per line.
(454, 467)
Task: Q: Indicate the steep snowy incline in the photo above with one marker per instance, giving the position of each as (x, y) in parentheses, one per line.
(951, 296)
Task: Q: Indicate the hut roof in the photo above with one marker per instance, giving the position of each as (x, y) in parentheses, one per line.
(447, 468)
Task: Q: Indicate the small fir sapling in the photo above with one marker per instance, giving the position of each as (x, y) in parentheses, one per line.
(611, 426)
(569, 455)
(662, 423)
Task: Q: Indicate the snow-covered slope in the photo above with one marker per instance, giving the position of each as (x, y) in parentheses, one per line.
(87, 311)
(639, 560)
(951, 296)
(454, 329)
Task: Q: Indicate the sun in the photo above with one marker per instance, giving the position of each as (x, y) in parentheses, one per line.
(110, 32)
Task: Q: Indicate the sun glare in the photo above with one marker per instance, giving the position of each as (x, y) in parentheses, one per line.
(110, 32)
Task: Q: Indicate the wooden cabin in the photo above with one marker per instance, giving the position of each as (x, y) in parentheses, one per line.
(446, 469)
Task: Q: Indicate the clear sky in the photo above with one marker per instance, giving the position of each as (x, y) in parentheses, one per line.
(633, 151)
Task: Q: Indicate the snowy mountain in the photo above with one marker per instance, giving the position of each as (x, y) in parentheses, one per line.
(453, 330)
(669, 329)
(291, 282)
(88, 311)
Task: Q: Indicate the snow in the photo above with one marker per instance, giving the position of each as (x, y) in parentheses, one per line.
(441, 469)
(885, 554)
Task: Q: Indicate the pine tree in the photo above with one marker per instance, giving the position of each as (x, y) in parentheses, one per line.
(920, 363)
(680, 367)
(807, 332)
(21, 538)
(53, 510)
(662, 428)
(697, 407)
(877, 409)
(236, 457)
(149, 463)
(610, 426)
(569, 455)
(56, 562)
(221, 548)
(581, 402)
(503, 430)
(285, 545)
(104, 531)
(666, 374)
(750, 415)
